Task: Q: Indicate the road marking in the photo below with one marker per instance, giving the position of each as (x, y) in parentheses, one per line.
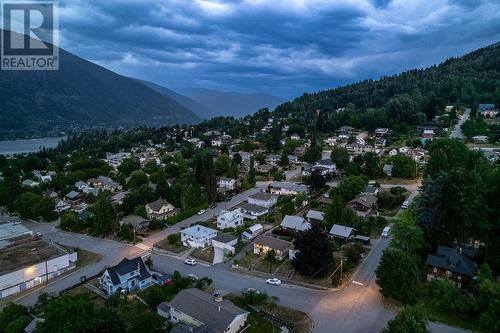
(143, 247)
(358, 283)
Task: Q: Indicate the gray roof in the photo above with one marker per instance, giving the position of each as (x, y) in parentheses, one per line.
(158, 204)
(316, 215)
(370, 189)
(226, 238)
(73, 195)
(341, 231)
(295, 222)
(453, 259)
(273, 243)
(203, 307)
(264, 196)
(365, 200)
(290, 186)
(134, 220)
(326, 162)
(252, 208)
(126, 266)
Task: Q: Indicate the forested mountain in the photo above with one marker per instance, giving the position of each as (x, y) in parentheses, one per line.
(200, 110)
(229, 103)
(80, 94)
(408, 98)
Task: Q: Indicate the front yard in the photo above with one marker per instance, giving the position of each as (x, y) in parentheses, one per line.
(166, 245)
(206, 254)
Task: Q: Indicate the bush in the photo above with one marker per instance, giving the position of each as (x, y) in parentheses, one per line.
(185, 214)
(254, 298)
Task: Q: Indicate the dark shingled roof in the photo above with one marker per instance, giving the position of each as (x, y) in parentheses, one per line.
(203, 307)
(453, 259)
(126, 266)
(225, 238)
(273, 243)
(252, 208)
(158, 204)
(264, 196)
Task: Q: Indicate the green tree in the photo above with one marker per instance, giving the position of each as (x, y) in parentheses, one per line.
(270, 258)
(409, 320)
(312, 154)
(222, 165)
(315, 252)
(340, 157)
(137, 179)
(14, 318)
(403, 166)
(371, 165)
(128, 166)
(104, 216)
(406, 234)
(398, 275)
(350, 186)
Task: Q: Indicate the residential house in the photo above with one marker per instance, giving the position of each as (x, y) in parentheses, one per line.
(404, 150)
(331, 141)
(139, 223)
(345, 130)
(418, 154)
(295, 223)
(251, 211)
(118, 198)
(293, 159)
(263, 199)
(370, 190)
(30, 183)
(109, 184)
(341, 232)
(252, 232)
(80, 185)
(161, 209)
(299, 151)
(43, 176)
(61, 206)
(480, 139)
(354, 148)
(95, 183)
(379, 132)
(264, 168)
(115, 160)
(198, 311)
(315, 216)
(488, 110)
(455, 264)
(225, 184)
(272, 159)
(230, 219)
(198, 236)
(50, 194)
(74, 198)
(325, 167)
(263, 244)
(360, 140)
(287, 188)
(295, 137)
(224, 246)
(393, 152)
(364, 205)
(387, 170)
(428, 133)
(128, 275)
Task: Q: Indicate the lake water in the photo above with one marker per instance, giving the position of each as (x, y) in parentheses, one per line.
(12, 147)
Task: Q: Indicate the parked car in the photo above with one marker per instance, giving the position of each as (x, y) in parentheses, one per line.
(405, 204)
(192, 277)
(190, 262)
(38, 235)
(250, 291)
(273, 281)
(213, 206)
(386, 232)
(217, 293)
(362, 239)
(201, 212)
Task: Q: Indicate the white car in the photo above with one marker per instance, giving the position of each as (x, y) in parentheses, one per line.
(192, 277)
(273, 281)
(190, 262)
(405, 204)
(201, 212)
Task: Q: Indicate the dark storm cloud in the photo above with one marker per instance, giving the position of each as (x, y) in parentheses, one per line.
(281, 46)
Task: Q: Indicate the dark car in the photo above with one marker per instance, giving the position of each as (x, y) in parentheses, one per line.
(212, 206)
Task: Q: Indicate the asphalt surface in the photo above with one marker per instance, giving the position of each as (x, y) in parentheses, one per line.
(457, 130)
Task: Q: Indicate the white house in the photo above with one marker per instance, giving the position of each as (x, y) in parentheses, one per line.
(30, 183)
(226, 184)
(161, 209)
(224, 245)
(393, 152)
(29, 264)
(198, 236)
(115, 160)
(331, 141)
(295, 223)
(315, 216)
(193, 308)
(263, 199)
(61, 206)
(128, 275)
(287, 188)
(252, 232)
(325, 167)
(230, 219)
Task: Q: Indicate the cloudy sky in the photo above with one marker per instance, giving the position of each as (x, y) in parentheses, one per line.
(282, 47)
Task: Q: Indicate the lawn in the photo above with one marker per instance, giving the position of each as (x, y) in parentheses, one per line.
(436, 314)
(175, 248)
(86, 258)
(256, 323)
(205, 254)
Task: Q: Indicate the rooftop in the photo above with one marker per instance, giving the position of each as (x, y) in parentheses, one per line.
(290, 186)
(264, 196)
(199, 231)
(12, 229)
(341, 231)
(295, 222)
(272, 243)
(203, 307)
(27, 254)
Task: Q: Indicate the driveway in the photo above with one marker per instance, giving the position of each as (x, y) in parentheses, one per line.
(456, 133)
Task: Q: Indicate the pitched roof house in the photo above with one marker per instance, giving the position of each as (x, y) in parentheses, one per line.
(287, 188)
(198, 309)
(230, 219)
(263, 244)
(340, 231)
(315, 216)
(198, 236)
(263, 199)
(295, 223)
(161, 209)
(455, 264)
(128, 275)
(363, 205)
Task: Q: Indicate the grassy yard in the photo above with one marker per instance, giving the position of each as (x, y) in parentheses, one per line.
(175, 248)
(206, 254)
(436, 314)
(86, 258)
(256, 323)
(256, 263)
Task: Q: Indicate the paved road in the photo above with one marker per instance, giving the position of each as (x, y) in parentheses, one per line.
(456, 133)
